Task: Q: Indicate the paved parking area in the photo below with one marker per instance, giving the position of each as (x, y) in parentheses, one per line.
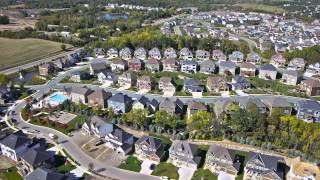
(185, 173)
(145, 167)
(225, 176)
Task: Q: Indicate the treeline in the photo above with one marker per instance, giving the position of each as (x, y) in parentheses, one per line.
(310, 54)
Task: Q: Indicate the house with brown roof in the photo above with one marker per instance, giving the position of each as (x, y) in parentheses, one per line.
(278, 60)
(144, 83)
(302, 170)
(253, 58)
(150, 148)
(167, 85)
(134, 64)
(227, 67)
(185, 54)
(310, 87)
(80, 94)
(126, 80)
(99, 98)
(155, 53)
(247, 69)
(207, 67)
(119, 65)
(140, 53)
(152, 65)
(217, 84)
(170, 65)
(218, 55)
(170, 53)
(194, 107)
(268, 72)
(202, 55)
(45, 69)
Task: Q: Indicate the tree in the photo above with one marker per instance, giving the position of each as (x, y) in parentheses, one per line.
(4, 19)
(165, 120)
(4, 79)
(63, 47)
(200, 122)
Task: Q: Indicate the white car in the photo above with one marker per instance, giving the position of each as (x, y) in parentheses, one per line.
(52, 136)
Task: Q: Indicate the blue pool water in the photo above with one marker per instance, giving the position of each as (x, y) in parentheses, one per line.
(58, 98)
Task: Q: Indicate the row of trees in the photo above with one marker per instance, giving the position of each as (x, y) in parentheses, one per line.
(310, 54)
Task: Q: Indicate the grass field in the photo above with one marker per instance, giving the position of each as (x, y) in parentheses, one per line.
(262, 7)
(20, 51)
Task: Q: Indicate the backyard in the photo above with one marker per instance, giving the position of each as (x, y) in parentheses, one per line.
(131, 164)
(166, 169)
(21, 51)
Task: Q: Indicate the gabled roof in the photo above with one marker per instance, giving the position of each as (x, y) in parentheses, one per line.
(184, 147)
(119, 97)
(242, 80)
(308, 104)
(80, 90)
(96, 66)
(276, 102)
(152, 142)
(291, 73)
(192, 82)
(34, 157)
(44, 174)
(189, 62)
(194, 105)
(120, 135)
(266, 161)
(222, 152)
(167, 103)
(247, 66)
(227, 64)
(15, 140)
(99, 94)
(268, 67)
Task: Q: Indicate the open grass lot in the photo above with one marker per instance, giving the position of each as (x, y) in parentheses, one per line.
(131, 164)
(261, 7)
(21, 51)
(203, 174)
(12, 174)
(166, 169)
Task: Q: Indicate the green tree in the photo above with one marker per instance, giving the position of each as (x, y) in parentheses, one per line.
(4, 19)
(63, 47)
(4, 79)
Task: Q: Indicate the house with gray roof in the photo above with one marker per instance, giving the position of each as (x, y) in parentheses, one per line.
(253, 58)
(192, 85)
(80, 94)
(152, 65)
(155, 53)
(308, 110)
(107, 78)
(125, 53)
(240, 83)
(99, 52)
(236, 57)
(297, 64)
(97, 67)
(247, 69)
(202, 55)
(218, 55)
(268, 72)
(189, 66)
(120, 103)
(170, 53)
(15, 145)
(112, 53)
(120, 141)
(140, 53)
(227, 67)
(167, 85)
(260, 166)
(184, 154)
(97, 126)
(148, 147)
(119, 65)
(172, 107)
(32, 159)
(278, 103)
(185, 54)
(78, 76)
(207, 67)
(45, 174)
(170, 65)
(220, 159)
(290, 77)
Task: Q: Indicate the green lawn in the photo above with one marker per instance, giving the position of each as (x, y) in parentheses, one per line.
(21, 51)
(12, 174)
(131, 164)
(65, 168)
(166, 169)
(76, 122)
(163, 138)
(203, 174)
(261, 7)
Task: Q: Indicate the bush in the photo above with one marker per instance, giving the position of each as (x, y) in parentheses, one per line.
(4, 20)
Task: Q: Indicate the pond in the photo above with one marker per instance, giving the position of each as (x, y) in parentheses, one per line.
(111, 17)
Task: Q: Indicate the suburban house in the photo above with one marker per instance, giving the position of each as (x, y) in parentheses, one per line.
(247, 69)
(112, 53)
(45, 174)
(202, 55)
(120, 141)
(308, 110)
(278, 60)
(134, 64)
(148, 147)
(152, 65)
(97, 126)
(227, 67)
(194, 107)
(189, 66)
(247, 101)
(172, 107)
(120, 103)
(170, 65)
(290, 77)
(32, 159)
(80, 95)
(119, 65)
(207, 67)
(278, 103)
(240, 83)
(167, 85)
(220, 159)
(218, 55)
(310, 87)
(170, 53)
(144, 83)
(236, 57)
(253, 58)
(15, 145)
(155, 53)
(99, 52)
(126, 80)
(192, 85)
(97, 67)
(7, 94)
(217, 84)
(313, 70)
(107, 78)
(300, 170)
(99, 98)
(140, 103)
(268, 72)
(45, 69)
(297, 64)
(140, 53)
(185, 54)
(260, 166)
(125, 53)
(78, 76)
(184, 154)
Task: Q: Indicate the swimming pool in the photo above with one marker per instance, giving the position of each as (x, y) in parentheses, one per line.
(58, 98)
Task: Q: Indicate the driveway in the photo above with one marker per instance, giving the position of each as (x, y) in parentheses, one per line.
(225, 176)
(185, 173)
(145, 167)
